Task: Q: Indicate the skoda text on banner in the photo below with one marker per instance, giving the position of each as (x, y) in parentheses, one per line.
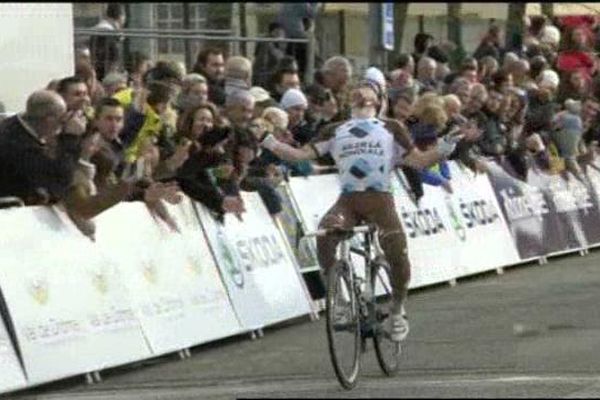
(129, 235)
(68, 311)
(433, 233)
(12, 377)
(210, 315)
(485, 242)
(259, 274)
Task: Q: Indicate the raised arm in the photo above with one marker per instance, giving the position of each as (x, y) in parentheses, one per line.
(287, 152)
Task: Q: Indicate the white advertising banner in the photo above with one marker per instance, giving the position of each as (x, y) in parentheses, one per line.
(485, 242)
(209, 313)
(259, 273)
(151, 268)
(315, 195)
(431, 234)
(66, 304)
(12, 377)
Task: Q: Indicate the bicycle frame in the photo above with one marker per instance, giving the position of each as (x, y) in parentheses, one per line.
(370, 252)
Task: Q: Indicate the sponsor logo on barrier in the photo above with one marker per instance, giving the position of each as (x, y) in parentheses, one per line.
(114, 319)
(455, 221)
(164, 306)
(478, 213)
(422, 222)
(38, 288)
(261, 251)
(231, 265)
(52, 331)
(531, 204)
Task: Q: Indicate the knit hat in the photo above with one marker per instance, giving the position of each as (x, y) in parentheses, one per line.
(259, 94)
(292, 98)
(373, 74)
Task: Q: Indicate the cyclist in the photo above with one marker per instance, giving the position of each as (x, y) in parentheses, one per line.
(366, 150)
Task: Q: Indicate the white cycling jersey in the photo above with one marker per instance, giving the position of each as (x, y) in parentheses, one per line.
(365, 151)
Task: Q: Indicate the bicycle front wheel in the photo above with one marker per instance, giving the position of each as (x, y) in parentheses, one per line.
(343, 325)
(387, 351)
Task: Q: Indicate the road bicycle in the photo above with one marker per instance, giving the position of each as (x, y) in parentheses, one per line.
(358, 305)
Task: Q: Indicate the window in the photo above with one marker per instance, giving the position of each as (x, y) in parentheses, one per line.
(170, 16)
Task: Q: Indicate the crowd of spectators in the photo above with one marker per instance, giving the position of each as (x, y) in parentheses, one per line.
(145, 131)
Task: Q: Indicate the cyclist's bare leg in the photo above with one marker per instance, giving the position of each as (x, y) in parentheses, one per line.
(338, 216)
(379, 208)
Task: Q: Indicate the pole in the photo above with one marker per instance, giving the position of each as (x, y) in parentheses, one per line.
(400, 13)
(375, 48)
(186, 43)
(243, 28)
(309, 71)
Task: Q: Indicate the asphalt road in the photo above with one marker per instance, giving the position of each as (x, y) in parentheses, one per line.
(532, 332)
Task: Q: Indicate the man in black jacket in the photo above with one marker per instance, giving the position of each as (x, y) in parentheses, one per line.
(211, 64)
(39, 150)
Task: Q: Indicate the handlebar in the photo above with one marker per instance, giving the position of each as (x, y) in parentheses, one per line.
(341, 231)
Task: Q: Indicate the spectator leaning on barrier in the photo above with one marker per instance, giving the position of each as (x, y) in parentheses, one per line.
(208, 166)
(105, 50)
(39, 150)
(263, 178)
(210, 63)
(425, 138)
(295, 104)
(279, 122)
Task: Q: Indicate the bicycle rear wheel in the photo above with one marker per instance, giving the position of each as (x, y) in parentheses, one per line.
(343, 325)
(387, 351)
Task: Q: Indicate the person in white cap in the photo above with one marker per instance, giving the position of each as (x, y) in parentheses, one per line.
(548, 79)
(375, 76)
(295, 104)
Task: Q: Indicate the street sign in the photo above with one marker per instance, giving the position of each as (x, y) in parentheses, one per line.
(387, 19)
